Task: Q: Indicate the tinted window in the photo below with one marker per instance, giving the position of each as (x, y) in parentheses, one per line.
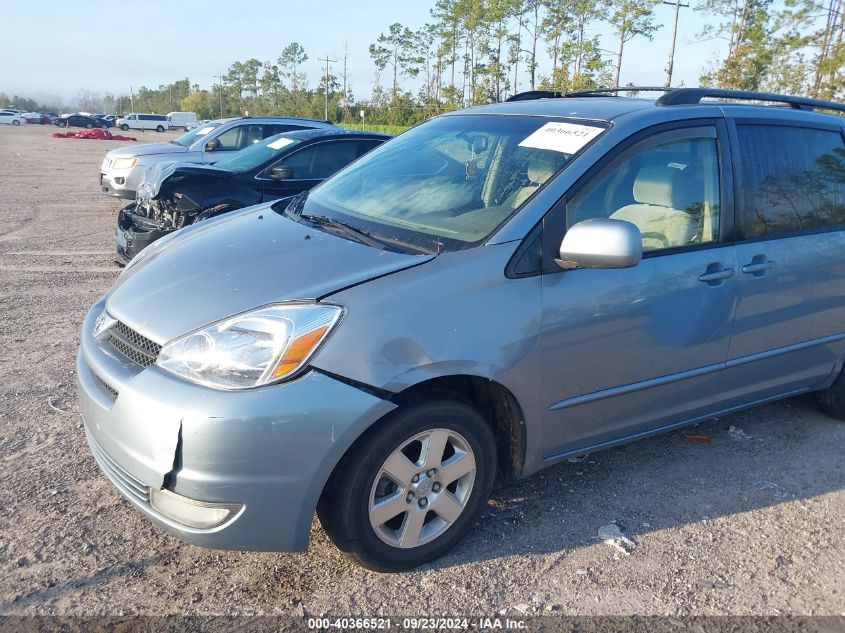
(366, 146)
(793, 179)
(669, 189)
(272, 130)
(321, 160)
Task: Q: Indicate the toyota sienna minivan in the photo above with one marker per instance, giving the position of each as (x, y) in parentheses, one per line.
(491, 292)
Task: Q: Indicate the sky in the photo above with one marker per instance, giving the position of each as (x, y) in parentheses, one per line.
(111, 46)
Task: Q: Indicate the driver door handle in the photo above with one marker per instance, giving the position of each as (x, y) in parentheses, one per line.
(714, 277)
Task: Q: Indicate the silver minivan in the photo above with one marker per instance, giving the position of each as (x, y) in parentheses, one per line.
(491, 292)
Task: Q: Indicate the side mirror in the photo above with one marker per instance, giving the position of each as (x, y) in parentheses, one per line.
(213, 145)
(601, 243)
(281, 173)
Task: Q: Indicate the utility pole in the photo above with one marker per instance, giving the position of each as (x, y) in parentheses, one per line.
(131, 100)
(670, 62)
(328, 61)
(220, 77)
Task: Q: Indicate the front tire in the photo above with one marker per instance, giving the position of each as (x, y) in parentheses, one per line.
(88, 126)
(406, 493)
(16, 122)
(159, 129)
(124, 127)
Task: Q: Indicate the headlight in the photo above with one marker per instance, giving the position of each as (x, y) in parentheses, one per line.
(124, 163)
(251, 349)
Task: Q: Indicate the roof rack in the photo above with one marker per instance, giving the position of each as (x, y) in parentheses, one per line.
(530, 95)
(600, 92)
(687, 96)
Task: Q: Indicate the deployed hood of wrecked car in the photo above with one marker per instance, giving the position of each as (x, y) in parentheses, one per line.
(237, 262)
(159, 172)
(146, 149)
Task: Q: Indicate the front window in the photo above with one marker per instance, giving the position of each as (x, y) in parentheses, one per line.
(449, 183)
(258, 154)
(188, 139)
(667, 186)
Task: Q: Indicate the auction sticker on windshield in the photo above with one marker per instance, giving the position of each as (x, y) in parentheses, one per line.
(280, 143)
(204, 131)
(557, 136)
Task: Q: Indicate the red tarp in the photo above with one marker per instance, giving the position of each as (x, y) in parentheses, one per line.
(96, 133)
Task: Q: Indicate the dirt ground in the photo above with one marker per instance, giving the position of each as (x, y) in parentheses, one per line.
(750, 523)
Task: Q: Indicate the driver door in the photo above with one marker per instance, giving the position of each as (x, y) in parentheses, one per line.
(628, 351)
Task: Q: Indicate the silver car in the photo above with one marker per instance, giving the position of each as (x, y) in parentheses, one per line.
(123, 169)
(489, 293)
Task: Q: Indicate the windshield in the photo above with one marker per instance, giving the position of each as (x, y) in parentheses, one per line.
(188, 139)
(449, 183)
(257, 154)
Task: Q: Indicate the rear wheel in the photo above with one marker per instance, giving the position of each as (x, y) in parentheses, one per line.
(832, 399)
(16, 122)
(159, 128)
(89, 125)
(407, 494)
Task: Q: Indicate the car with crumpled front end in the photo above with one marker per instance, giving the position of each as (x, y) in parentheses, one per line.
(489, 293)
(123, 168)
(176, 195)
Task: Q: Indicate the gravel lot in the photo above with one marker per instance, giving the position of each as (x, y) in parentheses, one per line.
(750, 523)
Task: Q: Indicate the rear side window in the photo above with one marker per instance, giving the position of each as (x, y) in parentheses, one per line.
(793, 179)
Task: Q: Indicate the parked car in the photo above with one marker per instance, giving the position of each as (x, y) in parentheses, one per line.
(181, 120)
(157, 122)
(79, 120)
(123, 168)
(491, 292)
(36, 118)
(11, 118)
(175, 195)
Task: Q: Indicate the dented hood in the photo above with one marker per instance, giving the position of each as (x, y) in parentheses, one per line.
(237, 262)
(157, 174)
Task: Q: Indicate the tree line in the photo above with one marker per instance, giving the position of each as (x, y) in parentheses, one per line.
(481, 51)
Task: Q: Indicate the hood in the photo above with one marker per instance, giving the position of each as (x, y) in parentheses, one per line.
(237, 262)
(145, 149)
(158, 173)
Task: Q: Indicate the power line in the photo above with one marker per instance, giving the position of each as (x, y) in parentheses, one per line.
(670, 62)
(220, 77)
(328, 61)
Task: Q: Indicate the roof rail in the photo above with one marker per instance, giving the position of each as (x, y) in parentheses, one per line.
(530, 95)
(600, 92)
(597, 92)
(686, 96)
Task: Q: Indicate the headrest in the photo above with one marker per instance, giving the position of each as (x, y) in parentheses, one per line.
(541, 167)
(659, 185)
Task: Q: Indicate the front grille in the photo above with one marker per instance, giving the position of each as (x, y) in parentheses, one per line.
(125, 482)
(134, 346)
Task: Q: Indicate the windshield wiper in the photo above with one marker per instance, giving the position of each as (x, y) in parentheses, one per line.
(355, 233)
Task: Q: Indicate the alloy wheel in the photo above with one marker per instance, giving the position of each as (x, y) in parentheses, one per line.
(422, 488)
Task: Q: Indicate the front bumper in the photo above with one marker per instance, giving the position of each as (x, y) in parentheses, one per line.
(134, 233)
(121, 183)
(270, 449)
